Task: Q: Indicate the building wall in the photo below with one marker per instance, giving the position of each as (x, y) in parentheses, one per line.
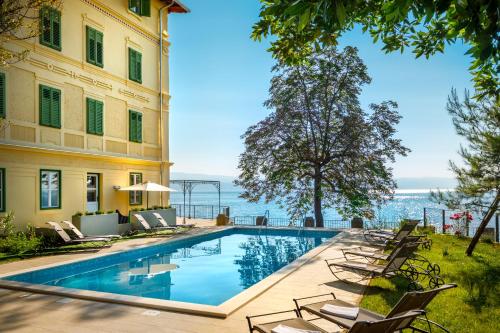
(26, 146)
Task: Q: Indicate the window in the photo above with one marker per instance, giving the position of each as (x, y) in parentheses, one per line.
(135, 197)
(50, 106)
(134, 65)
(50, 189)
(94, 116)
(140, 7)
(3, 96)
(135, 126)
(95, 50)
(50, 28)
(2, 190)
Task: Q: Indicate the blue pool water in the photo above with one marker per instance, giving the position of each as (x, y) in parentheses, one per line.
(212, 267)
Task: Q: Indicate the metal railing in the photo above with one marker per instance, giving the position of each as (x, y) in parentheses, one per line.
(440, 220)
(200, 211)
(286, 222)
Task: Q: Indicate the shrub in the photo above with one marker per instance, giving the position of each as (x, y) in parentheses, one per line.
(21, 242)
(89, 213)
(99, 212)
(7, 224)
(110, 211)
(142, 209)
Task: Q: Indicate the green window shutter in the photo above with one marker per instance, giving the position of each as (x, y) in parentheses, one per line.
(139, 127)
(45, 26)
(135, 6)
(139, 67)
(99, 106)
(132, 126)
(91, 42)
(44, 98)
(56, 28)
(55, 112)
(91, 116)
(99, 48)
(3, 96)
(132, 65)
(145, 8)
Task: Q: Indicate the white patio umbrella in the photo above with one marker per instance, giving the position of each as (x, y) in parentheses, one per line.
(148, 187)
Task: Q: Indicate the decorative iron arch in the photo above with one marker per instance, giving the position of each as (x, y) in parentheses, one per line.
(187, 186)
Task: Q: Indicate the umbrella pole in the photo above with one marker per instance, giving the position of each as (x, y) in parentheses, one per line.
(147, 200)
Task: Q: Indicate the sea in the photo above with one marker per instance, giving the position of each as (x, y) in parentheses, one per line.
(405, 204)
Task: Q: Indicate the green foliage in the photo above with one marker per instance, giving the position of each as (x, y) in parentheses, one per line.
(426, 27)
(110, 211)
(99, 212)
(19, 20)
(471, 307)
(89, 213)
(478, 177)
(318, 148)
(13, 242)
(7, 224)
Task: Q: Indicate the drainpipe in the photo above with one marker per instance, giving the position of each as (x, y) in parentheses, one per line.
(160, 18)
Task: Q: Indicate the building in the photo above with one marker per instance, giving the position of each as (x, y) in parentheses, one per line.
(87, 110)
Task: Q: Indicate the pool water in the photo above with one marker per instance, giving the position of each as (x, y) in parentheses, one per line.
(212, 268)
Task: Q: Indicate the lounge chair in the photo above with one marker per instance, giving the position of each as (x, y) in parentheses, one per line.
(80, 235)
(68, 240)
(384, 238)
(366, 270)
(165, 224)
(372, 256)
(411, 301)
(390, 325)
(148, 227)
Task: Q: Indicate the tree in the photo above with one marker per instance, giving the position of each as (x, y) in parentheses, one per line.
(479, 178)
(19, 20)
(318, 149)
(423, 25)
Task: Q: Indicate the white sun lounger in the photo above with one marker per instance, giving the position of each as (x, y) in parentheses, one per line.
(148, 227)
(68, 240)
(80, 235)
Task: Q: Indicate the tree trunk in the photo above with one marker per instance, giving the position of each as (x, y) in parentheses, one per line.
(489, 214)
(318, 215)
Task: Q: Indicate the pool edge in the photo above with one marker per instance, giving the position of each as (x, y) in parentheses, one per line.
(220, 311)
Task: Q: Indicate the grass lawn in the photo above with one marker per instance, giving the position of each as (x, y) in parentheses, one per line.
(474, 306)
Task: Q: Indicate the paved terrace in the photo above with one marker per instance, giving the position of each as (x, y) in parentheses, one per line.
(30, 312)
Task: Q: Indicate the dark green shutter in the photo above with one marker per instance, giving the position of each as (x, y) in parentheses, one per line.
(3, 96)
(99, 48)
(132, 126)
(56, 28)
(90, 116)
(55, 112)
(145, 8)
(91, 41)
(99, 106)
(139, 67)
(44, 105)
(45, 26)
(131, 65)
(139, 127)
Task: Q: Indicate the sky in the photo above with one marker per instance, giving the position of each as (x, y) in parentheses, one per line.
(219, 79)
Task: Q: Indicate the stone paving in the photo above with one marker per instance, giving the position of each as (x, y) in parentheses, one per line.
(29, 312)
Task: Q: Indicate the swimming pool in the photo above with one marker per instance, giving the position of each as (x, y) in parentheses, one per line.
(206, 269)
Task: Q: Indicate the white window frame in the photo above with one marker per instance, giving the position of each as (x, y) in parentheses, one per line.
(50, 190)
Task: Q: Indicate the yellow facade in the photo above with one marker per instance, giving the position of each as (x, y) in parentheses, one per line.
(26, 147)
